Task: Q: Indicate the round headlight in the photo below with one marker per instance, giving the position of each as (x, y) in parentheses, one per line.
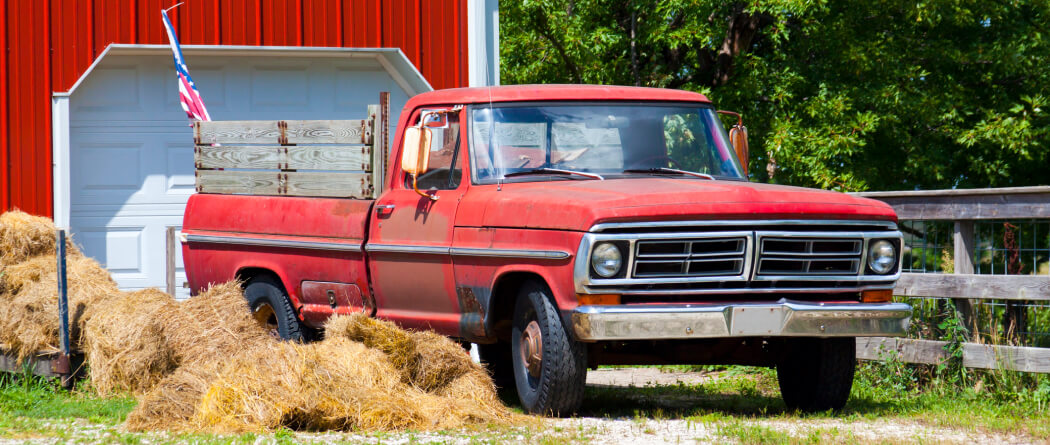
(882, 256)
(606, 259)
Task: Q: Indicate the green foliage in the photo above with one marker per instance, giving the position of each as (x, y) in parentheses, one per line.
(878, 95)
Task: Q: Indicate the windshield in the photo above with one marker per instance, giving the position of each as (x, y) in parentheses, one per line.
(625, 140)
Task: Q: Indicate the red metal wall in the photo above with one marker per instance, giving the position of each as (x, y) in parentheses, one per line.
(50, 43)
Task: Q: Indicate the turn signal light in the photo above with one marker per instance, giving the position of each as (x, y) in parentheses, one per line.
(602, 299)
(876, 296)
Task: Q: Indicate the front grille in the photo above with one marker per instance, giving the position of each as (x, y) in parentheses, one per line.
(809, 256)
(704, 257)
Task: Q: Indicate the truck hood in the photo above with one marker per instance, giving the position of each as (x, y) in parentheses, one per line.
(580, 204)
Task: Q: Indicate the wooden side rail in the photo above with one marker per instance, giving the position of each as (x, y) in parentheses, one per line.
(336, 158)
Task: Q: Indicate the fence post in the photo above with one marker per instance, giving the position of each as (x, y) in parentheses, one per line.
(964, 249)
(169, 255)
(62, 366)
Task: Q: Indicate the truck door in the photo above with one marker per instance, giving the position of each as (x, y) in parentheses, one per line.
(410, 236)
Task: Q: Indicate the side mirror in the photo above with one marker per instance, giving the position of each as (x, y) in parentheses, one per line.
(415, 151)
(415, 155)
(738, 137)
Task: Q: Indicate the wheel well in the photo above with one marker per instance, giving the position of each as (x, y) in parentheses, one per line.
(247, 274)
(501, 303)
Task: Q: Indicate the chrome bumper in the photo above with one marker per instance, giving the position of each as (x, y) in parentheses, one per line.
(780, 319)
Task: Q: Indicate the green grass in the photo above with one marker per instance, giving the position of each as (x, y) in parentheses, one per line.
(740, 405)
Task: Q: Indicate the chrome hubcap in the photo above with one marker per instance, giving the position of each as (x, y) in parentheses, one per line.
(532, 348)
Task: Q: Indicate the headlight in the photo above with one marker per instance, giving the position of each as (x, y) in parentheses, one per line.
(606, 259)
(882, 256)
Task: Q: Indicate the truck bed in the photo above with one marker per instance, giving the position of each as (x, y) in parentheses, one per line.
(319, 240)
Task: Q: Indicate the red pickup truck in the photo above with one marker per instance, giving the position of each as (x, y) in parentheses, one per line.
(565, 227)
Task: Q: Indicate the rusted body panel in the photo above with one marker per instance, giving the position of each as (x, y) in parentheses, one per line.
(477, 275)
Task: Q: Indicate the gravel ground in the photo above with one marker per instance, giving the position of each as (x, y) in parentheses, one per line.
(638, 430)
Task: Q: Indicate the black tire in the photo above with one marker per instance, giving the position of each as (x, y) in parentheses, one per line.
(271, 308)
(555, 386)
(816, 374)
(496, 358)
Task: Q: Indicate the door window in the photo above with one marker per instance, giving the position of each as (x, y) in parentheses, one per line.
(445, 171)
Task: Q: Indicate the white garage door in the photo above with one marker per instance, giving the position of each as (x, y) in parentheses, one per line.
(131, 150)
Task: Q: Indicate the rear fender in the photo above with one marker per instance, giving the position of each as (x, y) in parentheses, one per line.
(246, 271)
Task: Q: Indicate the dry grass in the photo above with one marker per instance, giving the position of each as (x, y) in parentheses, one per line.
(125, 344)
(29, 302)
(205, 365)
(23, 236)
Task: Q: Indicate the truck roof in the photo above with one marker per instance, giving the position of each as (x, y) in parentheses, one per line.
(515, 93)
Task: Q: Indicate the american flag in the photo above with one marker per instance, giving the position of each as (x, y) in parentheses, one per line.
(188, 94)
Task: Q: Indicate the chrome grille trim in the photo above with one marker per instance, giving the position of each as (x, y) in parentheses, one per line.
(692, 252)
(844, 250)
(797, 256)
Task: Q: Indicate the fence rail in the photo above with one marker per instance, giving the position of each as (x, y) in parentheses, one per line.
(964, 208)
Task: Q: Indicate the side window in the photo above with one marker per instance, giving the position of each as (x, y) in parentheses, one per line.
(445, 168)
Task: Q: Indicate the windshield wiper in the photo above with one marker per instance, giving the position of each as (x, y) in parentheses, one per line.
(542, 170)
(669, 170)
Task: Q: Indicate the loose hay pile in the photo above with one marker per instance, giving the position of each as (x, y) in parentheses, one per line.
(205, 365)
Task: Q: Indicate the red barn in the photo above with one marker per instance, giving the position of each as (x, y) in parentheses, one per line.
(91, 131)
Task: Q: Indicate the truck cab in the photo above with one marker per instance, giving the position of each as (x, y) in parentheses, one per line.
(563, 227)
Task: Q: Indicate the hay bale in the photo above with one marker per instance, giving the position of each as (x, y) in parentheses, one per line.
(29, 306)
(23, 236)
(125, 345)
(337, 384)
(426, 360)
(215, 323)
(172, 404)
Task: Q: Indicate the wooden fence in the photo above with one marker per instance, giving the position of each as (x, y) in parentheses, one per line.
(964, 208)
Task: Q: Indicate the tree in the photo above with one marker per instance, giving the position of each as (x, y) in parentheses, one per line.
(881, 95)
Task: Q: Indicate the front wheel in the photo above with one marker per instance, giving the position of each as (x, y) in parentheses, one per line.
(550, 368)
(816, 374)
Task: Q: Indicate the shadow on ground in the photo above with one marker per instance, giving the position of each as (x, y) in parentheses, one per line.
(733, 396)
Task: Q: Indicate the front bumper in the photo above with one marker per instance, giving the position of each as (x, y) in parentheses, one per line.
(783, 318)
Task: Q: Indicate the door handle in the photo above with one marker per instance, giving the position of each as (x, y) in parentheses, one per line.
(384, 208)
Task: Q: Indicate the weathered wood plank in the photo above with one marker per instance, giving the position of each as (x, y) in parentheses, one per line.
(957, 192)
(907, 350)
(303, 157)
(226, 156)
(977, 356)
(380, 115)
(987, 287)
(1003, 203)
(283, 132)
(40, 366)
(348, 185)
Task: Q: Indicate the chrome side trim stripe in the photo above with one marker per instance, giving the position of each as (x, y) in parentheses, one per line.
(511, 253)
(406, 248)
(270, 242)
(468, 252)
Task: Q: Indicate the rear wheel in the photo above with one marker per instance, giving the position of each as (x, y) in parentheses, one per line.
(550, 368)
(816, 374)
(271, 308)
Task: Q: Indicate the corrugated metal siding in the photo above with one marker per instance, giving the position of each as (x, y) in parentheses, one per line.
(51, 43)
